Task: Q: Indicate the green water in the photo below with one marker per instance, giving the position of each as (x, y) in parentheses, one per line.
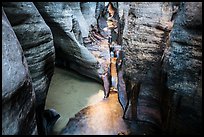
(70, 92)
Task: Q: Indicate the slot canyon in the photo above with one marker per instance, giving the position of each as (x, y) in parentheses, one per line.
(101, 68)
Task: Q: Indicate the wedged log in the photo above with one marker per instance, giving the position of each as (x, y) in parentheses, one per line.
(18, 97)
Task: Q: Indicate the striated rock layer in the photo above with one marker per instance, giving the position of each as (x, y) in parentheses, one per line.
(59, 16)
(143, 46)
(182, 68)
(36, 40)
(18, 97)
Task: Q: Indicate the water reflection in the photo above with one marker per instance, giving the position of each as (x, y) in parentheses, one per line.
(69, 93)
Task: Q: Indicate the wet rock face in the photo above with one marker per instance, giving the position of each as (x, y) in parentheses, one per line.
(102, 118)
(18, 97)
(142, 39)
(142, 43)
(66, 45)
(182, 66)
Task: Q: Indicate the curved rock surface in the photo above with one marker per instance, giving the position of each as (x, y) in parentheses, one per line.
(18, 97)
(143, 47)
(77, 13)
(105, 118)
(169, 71)
(66, 45)
(36, 40)
(182, 67)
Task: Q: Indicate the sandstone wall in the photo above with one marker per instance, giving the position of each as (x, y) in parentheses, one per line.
(182, 66)
(18, 97)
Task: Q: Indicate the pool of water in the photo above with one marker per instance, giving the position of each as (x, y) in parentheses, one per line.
(69, 92)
